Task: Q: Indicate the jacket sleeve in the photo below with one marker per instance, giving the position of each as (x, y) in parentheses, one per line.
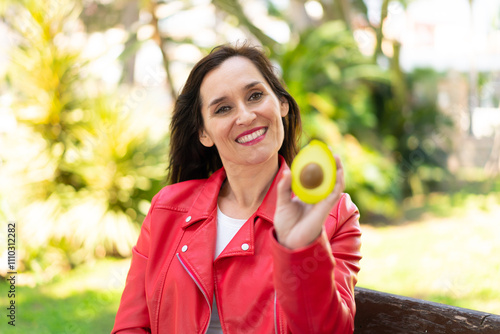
(133, 316)
(315, 284)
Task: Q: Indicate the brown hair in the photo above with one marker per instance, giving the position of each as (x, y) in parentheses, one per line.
(189, 159)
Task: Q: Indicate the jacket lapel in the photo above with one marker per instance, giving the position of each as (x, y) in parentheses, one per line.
(197, 247)
(197, 255)
(268, 206)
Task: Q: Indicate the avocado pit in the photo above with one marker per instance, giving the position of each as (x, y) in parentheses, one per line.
(311, 175)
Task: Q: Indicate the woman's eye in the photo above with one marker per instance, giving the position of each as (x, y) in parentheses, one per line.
(222, 109)
(256, 96)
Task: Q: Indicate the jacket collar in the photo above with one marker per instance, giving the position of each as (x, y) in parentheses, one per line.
(206, 203)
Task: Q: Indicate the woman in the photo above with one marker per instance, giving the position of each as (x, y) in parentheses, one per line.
(226, 248)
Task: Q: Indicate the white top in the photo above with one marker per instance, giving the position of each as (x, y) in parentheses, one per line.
(227, 228)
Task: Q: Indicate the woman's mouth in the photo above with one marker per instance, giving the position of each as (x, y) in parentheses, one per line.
(249, 138)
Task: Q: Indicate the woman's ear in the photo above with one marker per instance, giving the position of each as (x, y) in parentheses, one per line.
(284, 106)
(205, 139)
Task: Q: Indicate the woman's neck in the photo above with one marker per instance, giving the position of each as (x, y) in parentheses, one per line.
(245, 188)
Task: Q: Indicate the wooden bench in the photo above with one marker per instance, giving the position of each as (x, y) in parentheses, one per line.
(378, 312)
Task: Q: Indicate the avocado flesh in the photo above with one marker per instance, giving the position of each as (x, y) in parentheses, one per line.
(313, 172)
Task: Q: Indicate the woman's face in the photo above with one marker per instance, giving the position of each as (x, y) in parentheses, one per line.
(241, 114)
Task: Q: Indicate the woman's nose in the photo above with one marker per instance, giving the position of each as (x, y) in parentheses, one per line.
(245, 115)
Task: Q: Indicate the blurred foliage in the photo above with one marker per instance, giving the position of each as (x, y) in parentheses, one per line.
(84, 300)
(331, 81)
(423, 142)
(352, 104)
(84, 166)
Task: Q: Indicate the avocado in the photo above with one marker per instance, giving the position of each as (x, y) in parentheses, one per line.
(314, 172)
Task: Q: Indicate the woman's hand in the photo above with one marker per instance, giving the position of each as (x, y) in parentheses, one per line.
(297, 224)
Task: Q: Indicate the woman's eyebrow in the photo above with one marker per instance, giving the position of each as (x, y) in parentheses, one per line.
(251, 84)
(217, 100)
(222, 98)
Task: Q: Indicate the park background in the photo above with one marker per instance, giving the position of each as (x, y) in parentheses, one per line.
(406, 92)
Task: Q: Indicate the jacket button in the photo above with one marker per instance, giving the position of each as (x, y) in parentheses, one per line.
(184, 248)
(188, 219)
(245, 246)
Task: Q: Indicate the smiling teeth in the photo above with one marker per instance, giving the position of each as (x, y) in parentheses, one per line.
(252, 136)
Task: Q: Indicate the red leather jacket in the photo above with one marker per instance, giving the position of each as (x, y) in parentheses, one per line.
(260, 286)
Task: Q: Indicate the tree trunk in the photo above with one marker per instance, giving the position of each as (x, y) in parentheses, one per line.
(130, 16)
(379, 32)
(162, 43)
(233, 7)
